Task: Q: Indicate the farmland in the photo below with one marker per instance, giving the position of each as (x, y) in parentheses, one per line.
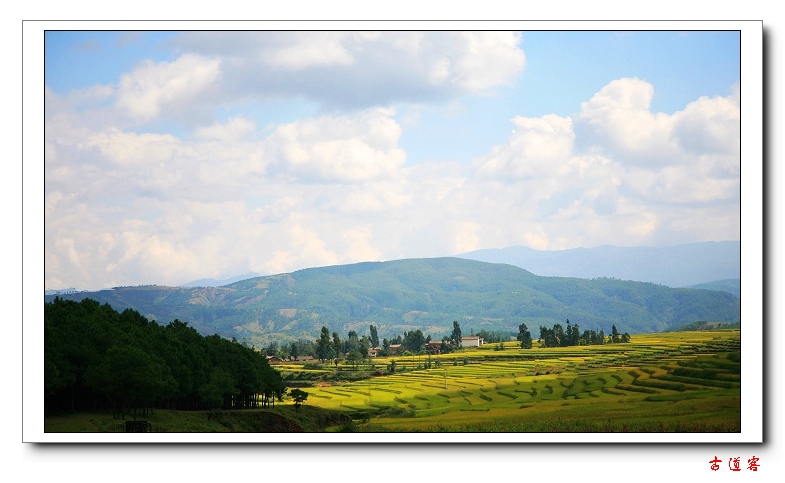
(662, 382)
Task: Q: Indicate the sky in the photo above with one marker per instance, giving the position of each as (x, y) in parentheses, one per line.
(176, 156)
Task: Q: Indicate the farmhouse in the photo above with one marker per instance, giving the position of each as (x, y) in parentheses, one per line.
(434, 347)
(393, 349)
(302, 358)
(472, 341)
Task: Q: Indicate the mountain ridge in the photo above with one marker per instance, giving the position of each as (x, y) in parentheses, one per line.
(682, 265)
(426, 294)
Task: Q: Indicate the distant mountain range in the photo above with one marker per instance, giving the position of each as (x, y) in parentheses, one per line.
(425, 294)
(695, 265)
(211, 282)
(675, 266)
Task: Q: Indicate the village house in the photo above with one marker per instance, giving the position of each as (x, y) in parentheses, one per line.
(472, 341)
(301, 358)
(433, 347)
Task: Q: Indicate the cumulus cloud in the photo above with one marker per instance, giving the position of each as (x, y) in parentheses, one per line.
(536, 148)
(618, 171)
(359, 69)
(125, 207)
(618, 119)
(338, 148)
(709, 126)
(172, 87)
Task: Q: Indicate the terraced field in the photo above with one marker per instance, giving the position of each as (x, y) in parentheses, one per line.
(660, 382)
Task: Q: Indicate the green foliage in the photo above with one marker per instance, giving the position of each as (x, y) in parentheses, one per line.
(455, 337)
(299, 396)
(414, 341)
(706, 325)
(354, 357)
(732, 286)
(524, 336)
(325, 348)
(96, 358)
(558, 337)
(217, 389)
(494, 336)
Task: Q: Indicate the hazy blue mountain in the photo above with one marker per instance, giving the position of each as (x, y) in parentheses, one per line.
(731, 285)
(211, 282)
(425, 294)
(674, 266)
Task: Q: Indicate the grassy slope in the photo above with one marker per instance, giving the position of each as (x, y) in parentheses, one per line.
(279, 419)
(667, 382)
(661, 382)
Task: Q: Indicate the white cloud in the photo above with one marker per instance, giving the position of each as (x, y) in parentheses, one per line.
(338, 148)
(135, 149)
(358, 69)
(466, 237)
(615, 173)
(710, 126)
(367, 199)
(304, 248)
(125, 205)
(359, 245)
(488, 59)
(537, 147)
(170, 87)
(618, 119)
(310, 49)
(233, 130)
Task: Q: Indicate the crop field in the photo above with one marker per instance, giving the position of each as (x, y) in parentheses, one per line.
(666, 382)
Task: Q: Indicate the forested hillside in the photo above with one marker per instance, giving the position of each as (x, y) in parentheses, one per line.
(96, 359)
(732, 286)
(425, 294)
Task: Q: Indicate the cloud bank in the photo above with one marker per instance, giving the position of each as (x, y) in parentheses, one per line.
(128, 203)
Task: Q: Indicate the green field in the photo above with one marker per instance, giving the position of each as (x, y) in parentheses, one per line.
(665, 382)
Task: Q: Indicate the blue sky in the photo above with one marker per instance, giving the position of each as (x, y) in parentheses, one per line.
(177, 156)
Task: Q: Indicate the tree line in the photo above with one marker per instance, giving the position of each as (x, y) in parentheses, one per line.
(96, 358)
(329, 346)
(558, 336)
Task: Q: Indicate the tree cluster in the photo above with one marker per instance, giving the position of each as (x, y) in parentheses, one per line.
(524, 336)
(354, 347)
(96, 358)
(558, 336)
(493, 336)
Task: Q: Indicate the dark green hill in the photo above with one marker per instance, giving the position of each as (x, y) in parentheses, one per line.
(426, 294)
